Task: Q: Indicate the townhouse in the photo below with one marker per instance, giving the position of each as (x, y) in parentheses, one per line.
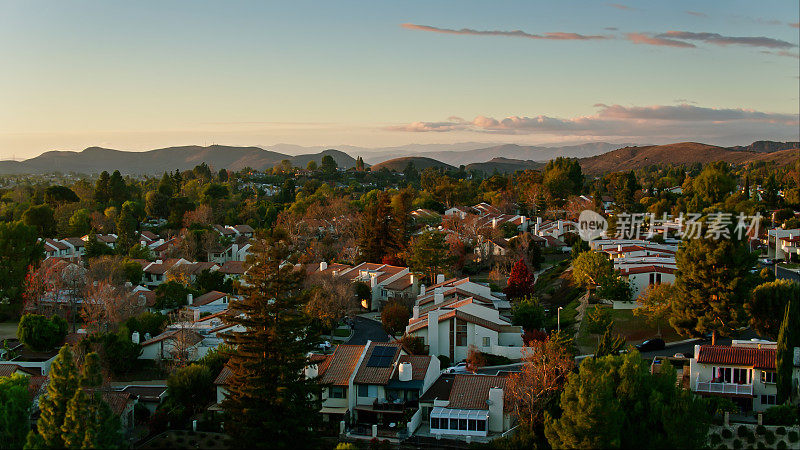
(743, 372)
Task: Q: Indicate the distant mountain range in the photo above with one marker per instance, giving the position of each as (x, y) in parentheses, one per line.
(96, 159)
(595, 158)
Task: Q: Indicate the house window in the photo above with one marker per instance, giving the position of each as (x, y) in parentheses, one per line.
(462, 424)
(461, 334)
(741, 376)
(487, 341)
(363, 390)
(768, 376)
(453, 424)
(768, 400)
(652, 278)
(472, 425)
(338, 392)
(435, 423)
(481, 425)
(658, 278)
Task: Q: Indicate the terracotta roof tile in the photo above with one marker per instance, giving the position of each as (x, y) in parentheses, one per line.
(759, 358)
(340, 367)
(224, 375)
(472, 391)
(419, 365)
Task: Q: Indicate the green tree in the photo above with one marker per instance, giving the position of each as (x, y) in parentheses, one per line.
(609, 343)
(172, 295)
(118, 189)
(615, 402)
(60, 194)
(328, 164)
(126, 229)
(788, 340)
(102, 189)
(767, 304)
(95, 248)
(156, 204)
(311, 166)
(267, 389)
(41, 217)
(40, 333)
(430, 254)
(15, 402)
(53, 404)
(528, 313)
(714, 183)
(213, 280)
(656, 303)
(713, 281)
(591, 269)
(191, 386)
(19, 251)
(616, 288)
(376, 237)
(80, 223)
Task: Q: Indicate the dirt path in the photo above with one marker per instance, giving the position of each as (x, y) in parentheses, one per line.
(581, 310)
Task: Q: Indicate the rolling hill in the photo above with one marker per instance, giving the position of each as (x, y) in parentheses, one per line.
(629, 158)
(504, 165)
(420, 163)
(97, 159)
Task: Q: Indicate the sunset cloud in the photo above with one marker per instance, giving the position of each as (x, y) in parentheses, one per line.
(795, 25)
(667, 121)
(718, 39)
(697, 14)
(641, 38)
(556, 36)
(621, 6)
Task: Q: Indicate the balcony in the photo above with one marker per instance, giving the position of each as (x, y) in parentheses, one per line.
(388, 405)
(724, 388)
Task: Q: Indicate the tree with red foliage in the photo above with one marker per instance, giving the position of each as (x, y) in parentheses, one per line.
(521, 281)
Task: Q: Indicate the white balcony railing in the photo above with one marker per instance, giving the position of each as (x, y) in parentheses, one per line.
(725, 388)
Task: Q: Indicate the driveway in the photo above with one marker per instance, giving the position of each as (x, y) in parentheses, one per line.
(8, 330)
(367, 330)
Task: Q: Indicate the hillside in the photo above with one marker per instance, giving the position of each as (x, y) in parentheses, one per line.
(681, 153)
(767, 146)
(504, 165)
(96, 159)
(420, 163)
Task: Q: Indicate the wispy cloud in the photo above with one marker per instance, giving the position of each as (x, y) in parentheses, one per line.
(611, 28)
(641, 38)
(673, 121)
(621, 6)
(795, 25)
(697, 14)
(556, 36)
(718, 39)
(782, 53)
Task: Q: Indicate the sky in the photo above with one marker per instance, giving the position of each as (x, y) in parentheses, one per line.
(150, 74)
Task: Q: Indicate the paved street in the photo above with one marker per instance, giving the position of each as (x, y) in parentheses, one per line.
(367, 330)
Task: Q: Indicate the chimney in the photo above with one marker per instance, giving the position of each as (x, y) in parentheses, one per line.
(560, 227)
(524, 222)
(414, 283)
(696, 351)
(619, 247)
(495, 409)
(494, 222)
(536, 226)
(323, 266)
(421, 290)
(373, 280)
(438, 295)
(189, 299)
(440, 278)
(416, 312)
(135, 337)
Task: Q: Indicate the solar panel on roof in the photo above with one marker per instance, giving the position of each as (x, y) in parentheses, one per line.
(382, 356)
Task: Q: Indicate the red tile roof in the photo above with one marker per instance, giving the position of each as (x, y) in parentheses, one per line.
(224, 376)
(232, 268)
(340, 367)
(646, 269)
(472, 391)
(208, 297)
(759, 358)
(419, 365)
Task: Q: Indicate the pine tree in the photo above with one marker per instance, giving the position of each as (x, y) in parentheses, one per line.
(713, 282)
(788, 339)
(102, 189)
(359, 164)
(609, 344)
(268, 392)
(53, 404)
(377, 238)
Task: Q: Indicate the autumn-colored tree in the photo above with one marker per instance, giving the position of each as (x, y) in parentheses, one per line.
(520, 282)
(331, 299)
(536, 387)
(475, 359)
(394, 318)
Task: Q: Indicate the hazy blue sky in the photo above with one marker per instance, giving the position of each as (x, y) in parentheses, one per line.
(145, 74)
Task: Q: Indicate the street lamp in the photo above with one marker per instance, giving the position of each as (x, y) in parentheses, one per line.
(558, 317)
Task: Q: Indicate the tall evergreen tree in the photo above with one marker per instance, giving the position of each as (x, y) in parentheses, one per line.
(713, 281)
(126, 230)
(268, 392)
(788, 339)
(377, 238)
(102, 189)
(19, 250)
(89, 421)
(15, 404)
(53, 404)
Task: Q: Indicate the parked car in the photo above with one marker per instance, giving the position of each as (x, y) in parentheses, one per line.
(767, 261)
(458, 368)
(651, 345)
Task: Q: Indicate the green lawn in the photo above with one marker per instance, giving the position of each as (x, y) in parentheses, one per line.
(342, 332)
(8, 330)
(633, 328)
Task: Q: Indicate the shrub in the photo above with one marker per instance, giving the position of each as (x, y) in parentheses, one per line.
(742, 431)
(760, 444)
(793, 436)
(780, 431)
(769, 437)
(761, 429)
(782, 445)
(715, 439)
(751, 438)
(727, 434)
(737, 443)
(781, 415)
(39, 333)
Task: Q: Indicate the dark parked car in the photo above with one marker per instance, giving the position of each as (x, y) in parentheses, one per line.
(651, 345)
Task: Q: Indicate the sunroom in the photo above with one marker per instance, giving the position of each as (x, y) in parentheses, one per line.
(464, 422)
